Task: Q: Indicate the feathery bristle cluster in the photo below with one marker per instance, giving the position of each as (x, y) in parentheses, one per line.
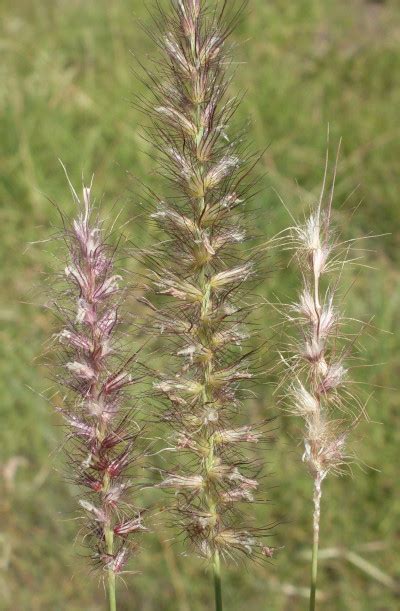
(101, 431)
(201, 271)
(320, 391)
(319, 388)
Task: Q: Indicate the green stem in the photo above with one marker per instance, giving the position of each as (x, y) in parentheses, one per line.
(111, 591)
(109, 539)
(217, 582)
(314, 572)
(316, 520)
(203, 337)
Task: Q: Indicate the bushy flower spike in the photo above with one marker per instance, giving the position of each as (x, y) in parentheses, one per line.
(318, 391)
(200, 270)
(96, 374)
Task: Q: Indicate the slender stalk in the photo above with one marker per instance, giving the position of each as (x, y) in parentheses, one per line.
(316, 521)
(109, 537)
(314, 570)
(111, 591)
(217, 582)
(317, 423)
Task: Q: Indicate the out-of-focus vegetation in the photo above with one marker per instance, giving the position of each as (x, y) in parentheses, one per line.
(66, 86)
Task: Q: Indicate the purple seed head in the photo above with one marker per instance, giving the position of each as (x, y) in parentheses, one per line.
(101, 434)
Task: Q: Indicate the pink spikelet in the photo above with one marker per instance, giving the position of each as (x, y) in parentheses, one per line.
(96, 376)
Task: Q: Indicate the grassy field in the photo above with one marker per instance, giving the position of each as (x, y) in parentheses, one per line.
(66, 91)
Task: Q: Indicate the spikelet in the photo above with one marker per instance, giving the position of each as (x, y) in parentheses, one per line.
(200, 274)
(95, 377)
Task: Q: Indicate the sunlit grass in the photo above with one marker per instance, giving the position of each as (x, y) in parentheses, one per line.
(66, 90)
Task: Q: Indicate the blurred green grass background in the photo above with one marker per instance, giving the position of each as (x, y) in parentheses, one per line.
(66, 91)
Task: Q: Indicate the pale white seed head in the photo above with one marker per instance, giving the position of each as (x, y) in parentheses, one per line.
(183, 164)
(230, 276)
(95, 407)
(190, 387)
(334, 377)
(306, 307)
(316, 248)
(175, 52)
(232, 538)
(242, 434)
(313, 350)
(221, 170)
(194, 482)
(98, 513)
(320, 258)
(81, 370)
(328, 318)
(238, 494)
(178, 118)
(312, 233)
(305, 403)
